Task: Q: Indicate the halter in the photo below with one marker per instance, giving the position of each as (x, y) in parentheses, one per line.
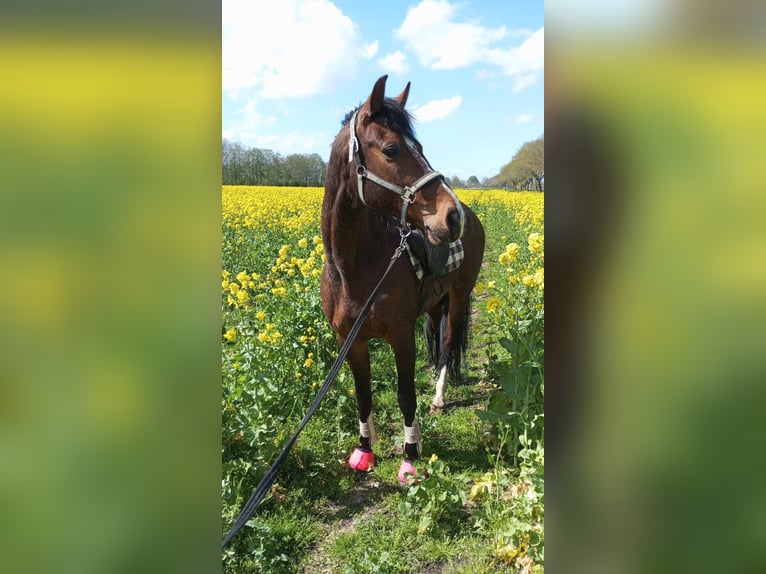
(407, 193)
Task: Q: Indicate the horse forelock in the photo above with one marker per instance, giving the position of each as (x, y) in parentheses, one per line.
(392, 116)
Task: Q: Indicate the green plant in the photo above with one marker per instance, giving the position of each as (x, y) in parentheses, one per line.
(438, 498)
(321, 516)
(509, 509)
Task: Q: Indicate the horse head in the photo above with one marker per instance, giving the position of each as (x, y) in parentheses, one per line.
(392, 175)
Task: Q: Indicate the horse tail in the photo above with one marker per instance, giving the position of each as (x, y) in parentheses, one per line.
(434, 335)
(457, 365)
(454, 358)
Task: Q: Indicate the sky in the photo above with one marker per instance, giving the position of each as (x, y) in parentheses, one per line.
(292, 69)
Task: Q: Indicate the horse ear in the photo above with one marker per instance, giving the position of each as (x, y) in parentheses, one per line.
(402, 98)
(375, 102)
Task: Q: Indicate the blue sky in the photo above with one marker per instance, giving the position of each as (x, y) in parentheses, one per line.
(293, 68)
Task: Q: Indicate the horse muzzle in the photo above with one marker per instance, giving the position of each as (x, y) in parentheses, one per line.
(447, 231)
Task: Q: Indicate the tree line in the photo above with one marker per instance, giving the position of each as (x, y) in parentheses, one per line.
(526, 170)
(243, 165)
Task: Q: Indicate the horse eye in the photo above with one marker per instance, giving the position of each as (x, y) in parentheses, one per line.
(391, 151)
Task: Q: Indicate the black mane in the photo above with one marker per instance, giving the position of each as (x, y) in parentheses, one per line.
(393, 117)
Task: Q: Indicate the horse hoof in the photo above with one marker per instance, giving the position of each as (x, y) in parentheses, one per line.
(361, 460)
(435, 410)
(407, 473)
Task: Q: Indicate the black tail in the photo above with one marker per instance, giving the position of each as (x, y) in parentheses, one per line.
(455, 359)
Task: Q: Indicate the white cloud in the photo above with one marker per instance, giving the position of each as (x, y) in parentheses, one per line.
(527, 58)
(436, 109)
(369, 50)
(285, 144)
(253, 118)
(522, 119)
(293, 142)
(395, 63)
(291, 48)
(524, 81)
(441, 42)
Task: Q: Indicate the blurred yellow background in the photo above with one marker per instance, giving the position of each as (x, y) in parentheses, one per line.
(110, 266)
(664, 454)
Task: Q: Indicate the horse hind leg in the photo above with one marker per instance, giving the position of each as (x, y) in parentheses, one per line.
(448, 346)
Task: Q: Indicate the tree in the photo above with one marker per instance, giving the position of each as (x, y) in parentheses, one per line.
(252, 166)
(531, 159)
(473, 182)
(526, 169)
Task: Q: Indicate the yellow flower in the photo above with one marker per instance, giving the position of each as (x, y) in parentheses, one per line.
(433, 458)
(494, 304)
(509, 256)
(303, 243)
(308, 362)
(230, 335)
(260, 315)
(535, 242)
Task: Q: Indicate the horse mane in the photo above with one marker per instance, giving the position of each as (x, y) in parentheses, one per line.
(392, 115)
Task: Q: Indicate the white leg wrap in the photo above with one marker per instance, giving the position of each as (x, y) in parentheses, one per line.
(438, 401)
(412, 435)
(367, 430)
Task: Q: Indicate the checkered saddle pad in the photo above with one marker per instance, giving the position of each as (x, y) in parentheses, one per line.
(436, 259)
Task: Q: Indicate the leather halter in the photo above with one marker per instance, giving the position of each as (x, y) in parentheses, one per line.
(407, 193)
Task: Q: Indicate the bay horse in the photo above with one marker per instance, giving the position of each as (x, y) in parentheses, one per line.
(380, 188)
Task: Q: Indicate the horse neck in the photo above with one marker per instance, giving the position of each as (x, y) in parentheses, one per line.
(351, 232)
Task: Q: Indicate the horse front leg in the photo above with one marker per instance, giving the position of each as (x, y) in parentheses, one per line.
(404, 351)
(362, 459)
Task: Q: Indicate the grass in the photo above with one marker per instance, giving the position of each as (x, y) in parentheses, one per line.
(480, 508)
(326, 518)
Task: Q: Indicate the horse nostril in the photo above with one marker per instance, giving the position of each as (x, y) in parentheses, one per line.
(453, 223)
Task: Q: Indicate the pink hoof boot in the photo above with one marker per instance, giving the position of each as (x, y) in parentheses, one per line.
(406, 469)
(361, 460)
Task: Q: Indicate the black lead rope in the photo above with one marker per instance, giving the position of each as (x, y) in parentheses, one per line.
(268, 479)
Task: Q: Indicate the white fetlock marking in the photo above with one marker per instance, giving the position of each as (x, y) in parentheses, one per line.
(438, 401)
(412, 435)
(367, 430)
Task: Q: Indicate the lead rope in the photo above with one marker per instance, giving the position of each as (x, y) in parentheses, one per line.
(268, 479)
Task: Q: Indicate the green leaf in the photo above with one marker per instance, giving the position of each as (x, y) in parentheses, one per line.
(508, 344)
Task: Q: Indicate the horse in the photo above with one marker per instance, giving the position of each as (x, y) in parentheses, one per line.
(379, 190)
